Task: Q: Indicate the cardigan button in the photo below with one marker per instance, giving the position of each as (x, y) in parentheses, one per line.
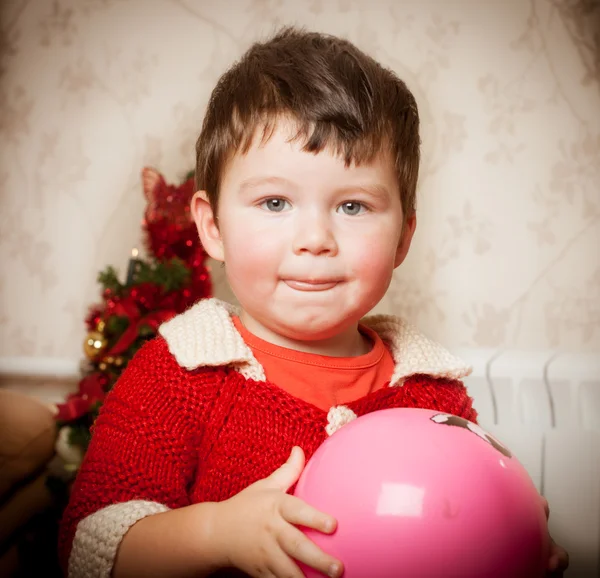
(337, 417)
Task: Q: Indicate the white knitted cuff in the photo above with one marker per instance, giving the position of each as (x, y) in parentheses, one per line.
(98, 536)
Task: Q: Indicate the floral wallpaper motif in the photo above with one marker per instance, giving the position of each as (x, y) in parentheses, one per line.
(507, 250)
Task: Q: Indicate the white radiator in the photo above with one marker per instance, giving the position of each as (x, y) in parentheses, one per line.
(546, 408)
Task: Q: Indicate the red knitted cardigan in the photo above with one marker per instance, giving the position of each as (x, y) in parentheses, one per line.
(176, 437)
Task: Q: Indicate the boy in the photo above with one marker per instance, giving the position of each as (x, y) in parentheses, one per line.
(307, 168)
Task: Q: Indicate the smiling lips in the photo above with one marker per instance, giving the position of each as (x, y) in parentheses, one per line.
(311, 285)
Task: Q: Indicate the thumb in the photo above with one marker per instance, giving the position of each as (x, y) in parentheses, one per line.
(284, 477)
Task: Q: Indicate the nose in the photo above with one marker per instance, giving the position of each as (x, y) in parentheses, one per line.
(314, 235)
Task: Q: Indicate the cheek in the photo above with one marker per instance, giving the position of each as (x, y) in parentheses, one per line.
(250, 251)
(373, 258)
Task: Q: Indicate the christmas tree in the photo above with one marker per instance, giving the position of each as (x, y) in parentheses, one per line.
(172, 278)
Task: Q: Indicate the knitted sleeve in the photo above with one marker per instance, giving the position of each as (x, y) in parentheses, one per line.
(140, 461)
(445, 395)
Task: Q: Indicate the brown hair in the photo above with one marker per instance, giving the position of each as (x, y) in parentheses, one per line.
(338, 96)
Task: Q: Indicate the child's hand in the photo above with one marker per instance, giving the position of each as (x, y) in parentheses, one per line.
(558, 560)
(258, 527)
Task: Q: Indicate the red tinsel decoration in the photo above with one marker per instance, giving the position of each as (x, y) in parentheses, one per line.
(170, 230)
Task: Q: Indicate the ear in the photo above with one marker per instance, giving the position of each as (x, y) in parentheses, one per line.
(408, 230)
(206, 223)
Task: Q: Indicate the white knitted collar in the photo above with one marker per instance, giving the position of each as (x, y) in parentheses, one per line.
(205, 335)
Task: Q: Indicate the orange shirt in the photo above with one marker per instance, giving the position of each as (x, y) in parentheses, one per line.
(319, 379)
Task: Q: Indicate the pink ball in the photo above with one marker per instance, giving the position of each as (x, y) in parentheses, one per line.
(425, 494)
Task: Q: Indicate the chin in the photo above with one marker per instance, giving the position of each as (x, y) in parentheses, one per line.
(314, 328)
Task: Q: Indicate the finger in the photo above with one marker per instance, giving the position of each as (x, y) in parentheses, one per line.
(562, 558)
(559, 558)
(284, 477)
(297, 545)
(299, 513)
(281, 564)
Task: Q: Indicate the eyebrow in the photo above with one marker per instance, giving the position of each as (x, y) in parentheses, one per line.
(256, 182)
(376, 190)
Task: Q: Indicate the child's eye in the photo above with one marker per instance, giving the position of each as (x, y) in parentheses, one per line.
(352, 208)
(274, 205)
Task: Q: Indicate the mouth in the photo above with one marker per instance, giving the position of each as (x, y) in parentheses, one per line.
(311, 285)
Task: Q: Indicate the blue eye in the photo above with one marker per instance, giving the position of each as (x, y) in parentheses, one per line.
(274, 205)
(352, 208)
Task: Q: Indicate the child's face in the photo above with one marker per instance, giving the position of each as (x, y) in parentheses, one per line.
(309, 244)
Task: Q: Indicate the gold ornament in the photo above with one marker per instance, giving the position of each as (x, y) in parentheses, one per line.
(95, 343)
(111, 362)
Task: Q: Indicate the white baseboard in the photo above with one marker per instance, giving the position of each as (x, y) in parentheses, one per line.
(45, 367)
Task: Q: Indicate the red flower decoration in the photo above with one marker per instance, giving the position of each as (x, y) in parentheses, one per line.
(90, 391)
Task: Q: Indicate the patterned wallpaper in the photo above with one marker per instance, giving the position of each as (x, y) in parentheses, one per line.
(507, 251)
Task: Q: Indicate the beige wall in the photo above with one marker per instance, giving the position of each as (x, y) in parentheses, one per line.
(507, 248)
